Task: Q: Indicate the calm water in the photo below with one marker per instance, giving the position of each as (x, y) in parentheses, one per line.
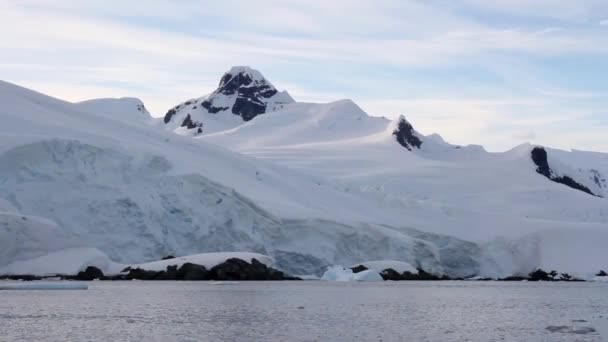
(307, 311)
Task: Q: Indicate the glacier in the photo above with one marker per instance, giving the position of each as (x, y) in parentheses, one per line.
(309, 185)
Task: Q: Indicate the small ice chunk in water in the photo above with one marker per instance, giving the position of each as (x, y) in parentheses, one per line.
(339, 273)
(570, 330)
(368, 275)
(224, 283)
(44, 286)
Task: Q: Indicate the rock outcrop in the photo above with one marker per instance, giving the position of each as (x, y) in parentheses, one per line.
(539, 157)
(406, 135)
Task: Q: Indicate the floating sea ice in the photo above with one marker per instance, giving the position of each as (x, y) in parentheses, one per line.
(339, 273)
(369, 275)
(44, 286)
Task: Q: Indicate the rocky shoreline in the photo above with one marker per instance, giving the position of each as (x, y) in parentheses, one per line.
(235, 269)
(537, 275)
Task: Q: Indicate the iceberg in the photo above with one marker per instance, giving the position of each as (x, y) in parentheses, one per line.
(368, 276)
(339, 273)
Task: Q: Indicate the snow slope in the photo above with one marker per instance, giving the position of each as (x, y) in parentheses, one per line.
(137, 193)
(310, 185)
(462, 191)
(126, 109)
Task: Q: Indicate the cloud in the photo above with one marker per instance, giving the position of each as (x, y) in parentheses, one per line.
(470, 80)
(527, 136)
(604, 22)
(579, 10)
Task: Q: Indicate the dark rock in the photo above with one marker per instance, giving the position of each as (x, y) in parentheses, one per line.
(573, 184)
(237, 269)
(24, 277)
(391, 274)
(231, 269)
(248, 103)
(190, 271)
(230, 83)
(190, 124)
(90, 273)
(423, 275)
(247, 108)
(553, 274)
(172, 272)
(602, 273)
(169, 115)
(513, 278)
(140, 274)
(406, 136)
(539, 275)
(359, 268)
(254, 93)
(211, 109)
(168, 257)
(539, 157)
(249, 91)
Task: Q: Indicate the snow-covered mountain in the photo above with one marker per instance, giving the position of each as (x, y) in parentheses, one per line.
(311, 185)
(243, 93)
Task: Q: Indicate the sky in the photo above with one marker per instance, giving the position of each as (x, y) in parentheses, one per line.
(496, 73)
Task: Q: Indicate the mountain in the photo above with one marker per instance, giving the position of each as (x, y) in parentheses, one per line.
(243, 93)
(85, 181)
(311, 185)
(128, 110)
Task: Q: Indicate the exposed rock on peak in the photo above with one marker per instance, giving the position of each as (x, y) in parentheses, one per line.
(242, 92)
(406, 135)
(539, 157)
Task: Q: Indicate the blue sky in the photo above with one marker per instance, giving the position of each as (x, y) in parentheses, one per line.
(496, 73)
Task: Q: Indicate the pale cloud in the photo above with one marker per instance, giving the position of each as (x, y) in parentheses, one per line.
(528, 136)
(604, 22)
(579, 10)
(78, 50)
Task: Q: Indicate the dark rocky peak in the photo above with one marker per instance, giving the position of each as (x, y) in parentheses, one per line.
(241, 91)
(406, 135)
(245, 81)
(251, 89)
(540, 158)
